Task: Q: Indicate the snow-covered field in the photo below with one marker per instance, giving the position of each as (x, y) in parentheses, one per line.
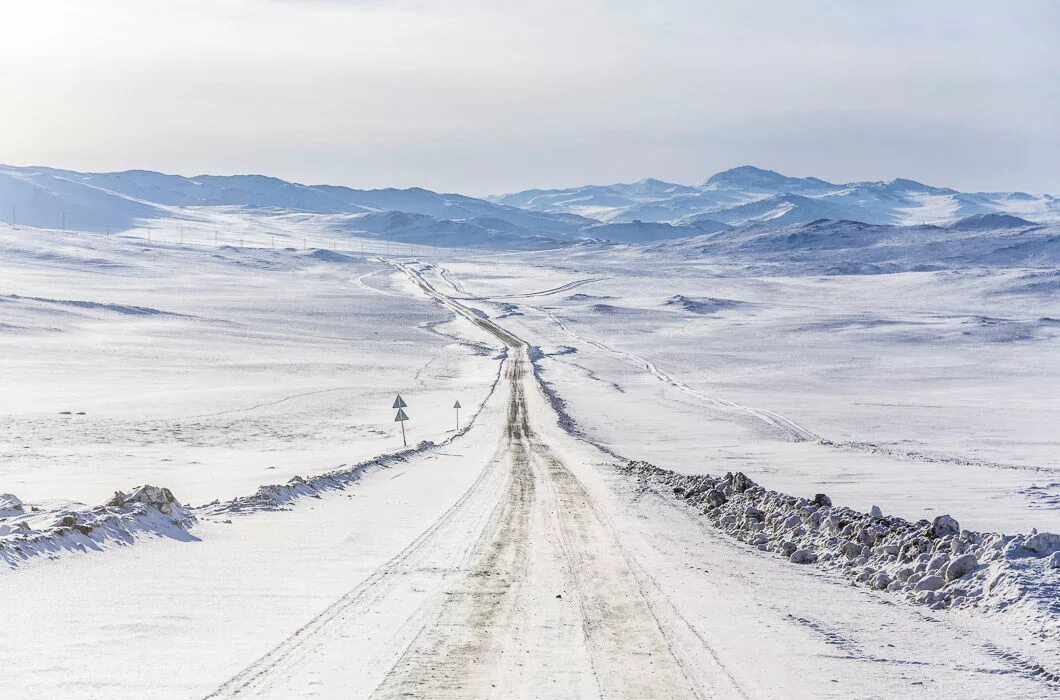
(934, 387)
(211, 370)
(522, 556)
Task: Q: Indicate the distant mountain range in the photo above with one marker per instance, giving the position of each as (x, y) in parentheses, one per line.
(50, 198)
(646, 211)
(752, 195)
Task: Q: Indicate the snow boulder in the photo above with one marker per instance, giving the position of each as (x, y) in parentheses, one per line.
(802, 556)
(10, 505)
(944, 526)
(939, 562)
(930, 583)
(961, 566)
(157, 497)
(852, 550)
(715, 498)
(1042, 543)
(741, 483)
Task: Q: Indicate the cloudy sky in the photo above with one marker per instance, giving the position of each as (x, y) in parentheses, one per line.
(490, 96)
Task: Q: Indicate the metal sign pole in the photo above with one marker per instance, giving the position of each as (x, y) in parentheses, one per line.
(401, 417)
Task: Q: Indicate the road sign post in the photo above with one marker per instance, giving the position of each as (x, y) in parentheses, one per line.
(400, 405)
(457, 406)
(401, 418)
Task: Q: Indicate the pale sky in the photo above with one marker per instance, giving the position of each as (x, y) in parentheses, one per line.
(491, 96)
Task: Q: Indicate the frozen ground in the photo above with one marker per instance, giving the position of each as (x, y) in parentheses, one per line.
(521, 558)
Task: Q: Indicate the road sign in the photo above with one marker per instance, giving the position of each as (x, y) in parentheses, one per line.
(457, 406)
(399, 402)
(401, 417)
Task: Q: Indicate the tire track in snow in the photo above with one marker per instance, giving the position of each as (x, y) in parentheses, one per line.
(360, 281)
(446, 656)
(619, 627)
(448, 278)
(548, 292)
(257, 676)
(793, 430)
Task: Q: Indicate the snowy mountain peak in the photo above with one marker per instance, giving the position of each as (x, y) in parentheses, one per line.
(652, 187)
(901, 184)
(751, 178)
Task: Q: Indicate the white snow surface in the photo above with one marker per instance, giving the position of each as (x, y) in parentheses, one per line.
(211, 371)
(233, 378)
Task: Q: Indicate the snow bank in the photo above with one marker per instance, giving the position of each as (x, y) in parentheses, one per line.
(28, 531)
(280, 496)
(931, 563)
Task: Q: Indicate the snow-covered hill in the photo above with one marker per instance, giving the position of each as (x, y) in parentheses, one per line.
(51, 198)
(774, 197)
(853, 247)
(644, 231)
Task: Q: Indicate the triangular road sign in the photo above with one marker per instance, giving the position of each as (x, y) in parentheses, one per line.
(399, 402)
(401, 416)
(457, 405)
